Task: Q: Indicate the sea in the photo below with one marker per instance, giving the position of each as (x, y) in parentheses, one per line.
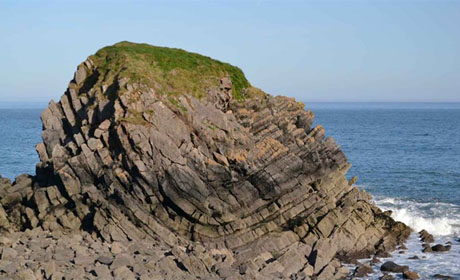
(407, 155)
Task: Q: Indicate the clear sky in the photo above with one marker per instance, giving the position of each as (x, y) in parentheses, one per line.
(314, 51)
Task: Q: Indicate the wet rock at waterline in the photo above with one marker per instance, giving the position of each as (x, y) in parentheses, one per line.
(436, 248)
(441, 276)
(410, 275)
(387, 277)
(362, 270)
(441, 248)
(426, 237)
(390, 266)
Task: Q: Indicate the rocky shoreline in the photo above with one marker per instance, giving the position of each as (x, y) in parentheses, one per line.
(391, 269)
(189, 172)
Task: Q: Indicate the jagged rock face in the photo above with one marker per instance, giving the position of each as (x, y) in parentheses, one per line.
(250, 178)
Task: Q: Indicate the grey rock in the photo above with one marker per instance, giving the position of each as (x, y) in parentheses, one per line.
(57, 276)
(102, 271)
(362, 270)
(107, 260)
(121, 260)
(80, 74)
(5, 241)
(9, 254)
(26, 274)
(9, 266)
(390, 266)
(426, 237)
(441, 248)
(83, 260)
(50, 268)
(123, 273)
(116, 248)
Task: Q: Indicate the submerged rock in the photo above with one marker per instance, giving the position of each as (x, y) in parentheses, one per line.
(441, 276)
(179, 150)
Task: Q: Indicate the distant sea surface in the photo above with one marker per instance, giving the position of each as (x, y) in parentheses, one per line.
(407, 155)
(20, 131)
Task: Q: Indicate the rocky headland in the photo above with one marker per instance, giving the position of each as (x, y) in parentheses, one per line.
(158, 163)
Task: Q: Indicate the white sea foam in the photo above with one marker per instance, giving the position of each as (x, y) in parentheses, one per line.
(440, 219)
(435, 226)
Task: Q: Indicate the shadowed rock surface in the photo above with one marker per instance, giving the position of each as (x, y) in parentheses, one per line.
(219, 179)
(390, 266)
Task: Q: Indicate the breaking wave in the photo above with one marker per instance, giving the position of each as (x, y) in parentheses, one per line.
(439, 219)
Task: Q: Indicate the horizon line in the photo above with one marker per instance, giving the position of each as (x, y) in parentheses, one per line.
(305, 101)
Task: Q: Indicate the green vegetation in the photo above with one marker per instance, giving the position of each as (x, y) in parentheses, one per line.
(134, 117)
(276, 255)
(177, 104)
(212, 127)
(166, 70)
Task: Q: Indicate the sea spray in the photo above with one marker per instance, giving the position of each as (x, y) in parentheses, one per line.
(440, 219)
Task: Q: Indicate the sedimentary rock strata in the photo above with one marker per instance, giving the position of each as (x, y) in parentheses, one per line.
(229, 182)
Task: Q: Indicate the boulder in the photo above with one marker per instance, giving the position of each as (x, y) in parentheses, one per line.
(26, 274)
(426, 237)
(123, 273)
(121, 260)
(362, 270)
(107, 260)
(410, 275)
(441, 248)
(116, 248)
(9, 254)
(50, 269)
(102, 271)
(390, 266)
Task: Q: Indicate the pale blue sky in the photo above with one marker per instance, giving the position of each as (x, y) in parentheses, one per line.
(314, 51)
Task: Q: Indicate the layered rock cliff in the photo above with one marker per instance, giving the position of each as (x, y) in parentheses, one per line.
(177, 150)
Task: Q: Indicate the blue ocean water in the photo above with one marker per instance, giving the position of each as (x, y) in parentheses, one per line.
(407, 155)
(401, 152)
(20, 131)
(408, 151)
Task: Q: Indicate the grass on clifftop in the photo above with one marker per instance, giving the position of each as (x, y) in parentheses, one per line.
(168, 70)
